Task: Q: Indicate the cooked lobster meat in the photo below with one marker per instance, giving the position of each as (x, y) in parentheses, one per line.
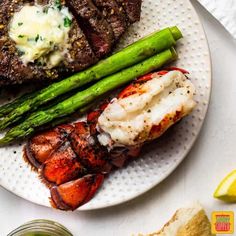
(74, 159)
(146, 108)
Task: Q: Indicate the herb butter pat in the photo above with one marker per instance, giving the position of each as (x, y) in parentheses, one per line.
(41, 33)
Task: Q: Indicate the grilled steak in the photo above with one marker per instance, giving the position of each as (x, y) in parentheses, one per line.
(114, 14)
(132, 9)
(96, 28)
(13, 71)
(80, 54)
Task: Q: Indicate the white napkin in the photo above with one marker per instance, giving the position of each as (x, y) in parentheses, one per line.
(224, 11)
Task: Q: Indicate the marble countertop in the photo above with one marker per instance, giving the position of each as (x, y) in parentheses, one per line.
(211, 158)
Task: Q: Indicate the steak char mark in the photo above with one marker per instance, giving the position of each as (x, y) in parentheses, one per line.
(97, 30)
(114, 14)
(132, 9)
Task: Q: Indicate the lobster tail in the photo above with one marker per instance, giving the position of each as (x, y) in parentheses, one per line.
(73, 159)
(73, 194)
(63, 166)
(43, 145)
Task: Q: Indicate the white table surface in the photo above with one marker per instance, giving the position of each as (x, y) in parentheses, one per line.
(211, 158)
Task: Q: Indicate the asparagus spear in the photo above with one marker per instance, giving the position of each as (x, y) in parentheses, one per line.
(81, 99)
(129, 56)
(7, 108)
(68, 119)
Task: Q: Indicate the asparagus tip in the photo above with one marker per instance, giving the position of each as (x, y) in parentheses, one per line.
(4, 141)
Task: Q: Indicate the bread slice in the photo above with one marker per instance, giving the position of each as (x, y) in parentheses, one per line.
(191, 221)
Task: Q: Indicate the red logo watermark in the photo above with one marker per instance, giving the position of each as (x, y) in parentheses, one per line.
(223, 222)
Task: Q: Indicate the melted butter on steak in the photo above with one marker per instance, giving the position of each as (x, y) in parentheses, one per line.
(41, 33)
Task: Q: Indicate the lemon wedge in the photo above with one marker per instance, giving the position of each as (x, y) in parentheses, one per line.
(226, 191)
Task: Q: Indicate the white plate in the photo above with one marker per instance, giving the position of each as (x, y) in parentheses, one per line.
(161, 157)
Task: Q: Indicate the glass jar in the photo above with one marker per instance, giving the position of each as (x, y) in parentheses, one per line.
(41, 228)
